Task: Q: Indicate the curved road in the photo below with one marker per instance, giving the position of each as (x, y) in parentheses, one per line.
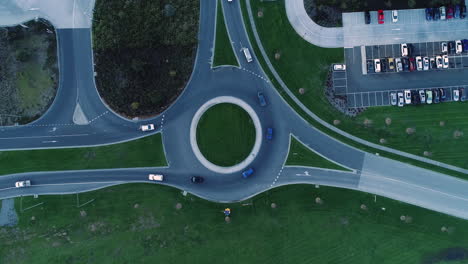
(55, 129)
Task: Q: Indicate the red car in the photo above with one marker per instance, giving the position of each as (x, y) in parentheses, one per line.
(450, 12)
(412, 64)
(381, 16)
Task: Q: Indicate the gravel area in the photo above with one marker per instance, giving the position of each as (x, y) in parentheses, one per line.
(8, 216)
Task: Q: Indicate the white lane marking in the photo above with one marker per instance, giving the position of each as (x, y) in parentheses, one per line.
(75, 135)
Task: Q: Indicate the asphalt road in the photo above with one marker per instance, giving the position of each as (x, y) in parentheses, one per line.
(371, 173)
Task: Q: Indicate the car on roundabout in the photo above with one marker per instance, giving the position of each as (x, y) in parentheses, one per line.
(197, 179)
(269, 133)
(147, 127)
(247, 173)
(261, 99)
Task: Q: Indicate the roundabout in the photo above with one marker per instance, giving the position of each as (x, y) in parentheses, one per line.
(222, 141)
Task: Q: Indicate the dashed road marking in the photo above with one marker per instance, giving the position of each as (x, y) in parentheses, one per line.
(255, 74)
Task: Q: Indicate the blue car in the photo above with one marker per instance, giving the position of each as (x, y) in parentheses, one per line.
(247, 173)
(261, 99)
(428, 14)
(457, 11)
(465, 44)
(269, 134)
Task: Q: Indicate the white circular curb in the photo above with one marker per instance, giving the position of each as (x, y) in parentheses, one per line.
(193, 134)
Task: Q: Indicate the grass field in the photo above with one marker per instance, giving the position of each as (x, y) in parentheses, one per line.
(139, 223)
(299, 60)
(145, 152)
(225, 134)
(300, 155)
(224, 54)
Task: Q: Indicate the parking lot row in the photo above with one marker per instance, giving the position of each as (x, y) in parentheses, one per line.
(429, 49)
(383, 98)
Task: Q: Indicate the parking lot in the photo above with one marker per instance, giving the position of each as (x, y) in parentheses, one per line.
(373, 89)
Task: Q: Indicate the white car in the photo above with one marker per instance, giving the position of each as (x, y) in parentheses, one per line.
(428, 97)
(446, 61)
(394, 16)
(401, 100)
(21, 184)
(422, 96)
(404, 50)
(443, 47)
(377, 65)
(458, 47)
(229, 0)
(407, 97)
(339, 67)
(399, 65)
(439, 62)
(419, 63)
(425, 63)
(393, 98)
(147, 127)
(456, 95)
(155, 177)
(442, 13)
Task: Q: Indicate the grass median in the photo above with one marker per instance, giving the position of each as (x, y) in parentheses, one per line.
(223, 54)
(433, 131)
(225, 134)
(144, 152)
(290, 224)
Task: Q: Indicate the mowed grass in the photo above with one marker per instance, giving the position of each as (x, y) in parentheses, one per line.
(300, 155)
(144, 152)
(139, 223)
(224, 54)
(31, 83)
(302, 65)
(225, 134)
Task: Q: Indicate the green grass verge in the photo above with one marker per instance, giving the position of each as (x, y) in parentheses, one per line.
(31, 83)
(224, 54)
(279, 10)
(300, 155)
(225, 134)
(139, 223)
(144, 152)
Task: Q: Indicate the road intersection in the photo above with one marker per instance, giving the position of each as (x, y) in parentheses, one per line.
(371, 173)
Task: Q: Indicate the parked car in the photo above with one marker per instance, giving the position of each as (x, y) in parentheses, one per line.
(197, 179)
(462, 95)
(155, 177)
(405, 63)
(432, 63)
(445, 61)
(394, 16)
(407, 97)
(377, 65)
(428, 14)
(462, 11)
(269, 133)
(449, 12)
(415, 97)
(399, 65)
(465, 44)
(442, 94)
(442, 12)
(370, 66)
(401, 99)
(383, 65)
(339, 67)
(404, 50)
(419, 63)
(443, 47)
(436, 12)
(425, 63)
(21, 184)
(439, 62)
(456, 95)
(247, 173)
(261, 99)
(380, 16)
(367, 17)
(451, 47)
(458, 47)
(147, 127)
(422, 96)
(393, 98)
(391, 64)
(435, 94)
(428, 97)
(412, 64)
(456, 13)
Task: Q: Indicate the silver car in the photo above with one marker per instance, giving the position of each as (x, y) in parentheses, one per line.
(393, 98)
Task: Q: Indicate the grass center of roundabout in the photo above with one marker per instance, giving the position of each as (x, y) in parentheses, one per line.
(225, 134)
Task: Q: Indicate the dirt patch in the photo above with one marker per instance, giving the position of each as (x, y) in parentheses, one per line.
(427, 153)
(83, 213)
(382, 141)
(178, 206)
(97, 226)
(457, 134)
(442, 123)
(336, 122)
(388, 121)
(145, 222)
(273, 205)
(410, 130)
(8, 216)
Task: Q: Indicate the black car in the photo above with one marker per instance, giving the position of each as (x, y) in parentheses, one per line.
(462, 95)
(442, 94)
(370, 66)
(435, 96)
(383, 65)
(405, 63)
(436, 13)
(415, 97)
(433, 63)
(367, 17)
(410, 49)
(462, 11)
(197, 179)
(451, 47)
(429, 14)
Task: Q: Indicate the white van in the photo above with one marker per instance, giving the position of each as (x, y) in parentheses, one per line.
(155, 177)
(247, 54)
